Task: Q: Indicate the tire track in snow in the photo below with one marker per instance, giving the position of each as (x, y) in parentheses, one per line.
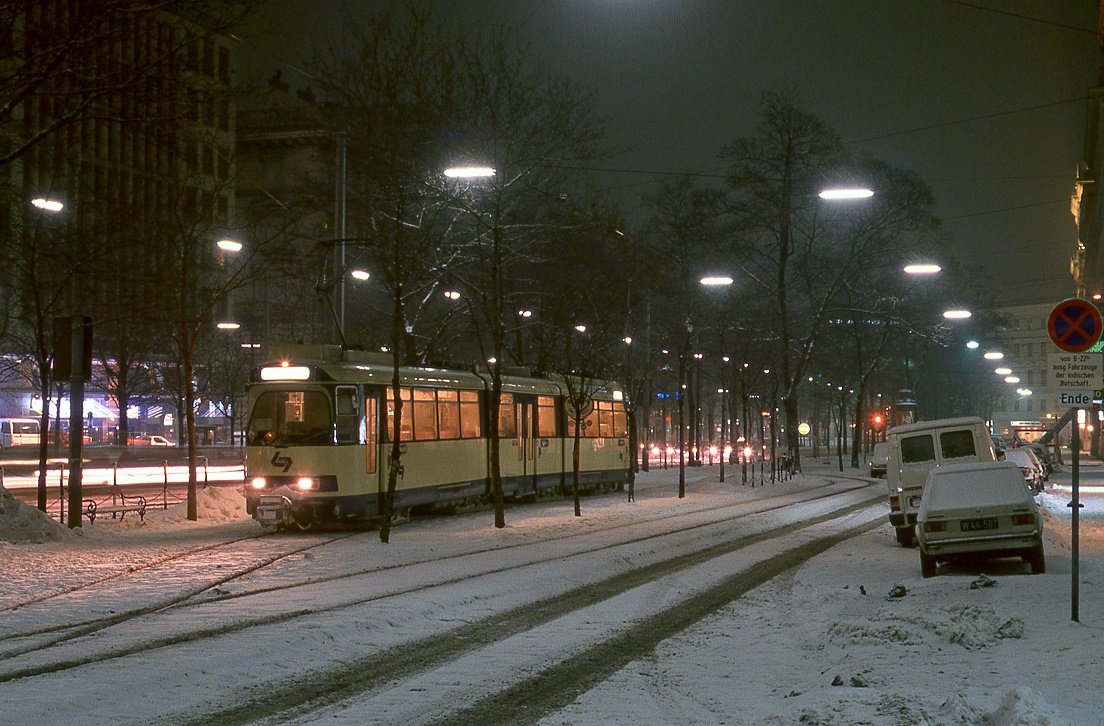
(310, 693)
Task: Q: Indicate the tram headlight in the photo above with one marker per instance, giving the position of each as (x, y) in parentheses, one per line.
(258, 482)
(306, 483)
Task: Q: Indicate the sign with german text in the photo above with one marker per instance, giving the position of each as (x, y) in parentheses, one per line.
(1075, 377)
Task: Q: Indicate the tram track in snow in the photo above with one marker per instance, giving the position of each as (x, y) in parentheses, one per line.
(63, 631)
(214, 630)
(433, 662)
(209, 591)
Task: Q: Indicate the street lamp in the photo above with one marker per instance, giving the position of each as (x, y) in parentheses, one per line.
(47, 205)
(922, 269)
(361, 275)
(716, 280)
(957, 314)
(469, 172)
(844, 193)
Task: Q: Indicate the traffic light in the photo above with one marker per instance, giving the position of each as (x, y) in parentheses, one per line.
(877, 420)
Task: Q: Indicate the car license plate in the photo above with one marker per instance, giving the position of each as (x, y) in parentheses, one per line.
(914, 502)
(974, 525)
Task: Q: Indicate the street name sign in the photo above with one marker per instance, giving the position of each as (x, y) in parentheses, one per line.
(1076, 376)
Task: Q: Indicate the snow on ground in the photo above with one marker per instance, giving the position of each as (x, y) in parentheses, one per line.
(853, 636)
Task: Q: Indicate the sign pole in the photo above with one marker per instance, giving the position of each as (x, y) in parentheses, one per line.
(1075, 441)
(1075, 326)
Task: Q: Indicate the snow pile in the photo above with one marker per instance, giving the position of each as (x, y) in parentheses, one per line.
(214, 505)
(21, 523)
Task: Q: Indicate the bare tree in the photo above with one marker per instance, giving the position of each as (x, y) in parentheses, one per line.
(528, 126)
(802, 253)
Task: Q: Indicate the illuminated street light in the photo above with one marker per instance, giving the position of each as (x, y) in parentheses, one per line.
(469, 172)
(1003, 371)
(525, 313)
(627, 340)
(580, 328)
(229, 245)
(361, 275)
(994, 355)
(846, 193)
(922, 269)
(47, 205)
(452, 294)
(716, 280)
(1012, 379)
(1023, 391)
(227, 326)
(957, 314)
(973, 345)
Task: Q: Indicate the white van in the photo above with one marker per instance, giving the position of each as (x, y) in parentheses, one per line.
(18, 432)
(914, 449)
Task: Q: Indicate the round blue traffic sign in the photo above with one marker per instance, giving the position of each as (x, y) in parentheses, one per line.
(1074, 325)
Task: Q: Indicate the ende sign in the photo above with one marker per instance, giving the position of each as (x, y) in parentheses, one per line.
(1076, 376)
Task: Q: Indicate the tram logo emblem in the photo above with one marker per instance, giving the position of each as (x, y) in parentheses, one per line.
(279, 459)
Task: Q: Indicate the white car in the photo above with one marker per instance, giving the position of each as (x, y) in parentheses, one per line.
(879, 460)
(1029, 466)
(980, 508)
(159, 441)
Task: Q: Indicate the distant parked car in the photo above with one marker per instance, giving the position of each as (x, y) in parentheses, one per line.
(980, 508)
(1029, 466)
(879, 459)
(153, 440)
(1044, 456)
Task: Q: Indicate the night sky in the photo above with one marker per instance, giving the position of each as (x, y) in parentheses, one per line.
(983, 98)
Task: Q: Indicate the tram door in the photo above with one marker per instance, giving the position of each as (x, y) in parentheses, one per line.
(372, 440)
(526, 412)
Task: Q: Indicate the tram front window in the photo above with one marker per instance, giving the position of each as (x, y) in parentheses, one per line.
(287, 418)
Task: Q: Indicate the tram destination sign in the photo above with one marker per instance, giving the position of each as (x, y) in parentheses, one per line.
(1076, 376)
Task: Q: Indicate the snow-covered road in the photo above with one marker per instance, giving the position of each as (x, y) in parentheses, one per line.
(735, 604)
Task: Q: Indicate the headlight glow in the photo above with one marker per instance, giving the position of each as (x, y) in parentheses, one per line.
(306, 483)
(258, 482)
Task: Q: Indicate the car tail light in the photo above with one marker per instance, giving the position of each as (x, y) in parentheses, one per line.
(934, 526)
(1022, 519)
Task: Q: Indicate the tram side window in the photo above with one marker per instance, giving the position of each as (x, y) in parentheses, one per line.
(546, 416)
(620, 421)
(507, 423)
(448, 414)
(605, 419)
(406, 431)
(471, 425)
(347, 403)
(425, 415)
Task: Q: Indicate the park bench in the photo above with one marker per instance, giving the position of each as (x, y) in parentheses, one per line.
(124, 503)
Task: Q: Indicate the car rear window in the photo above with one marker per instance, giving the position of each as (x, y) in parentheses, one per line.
(957, 444)
(917, 449)
(986, 487)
